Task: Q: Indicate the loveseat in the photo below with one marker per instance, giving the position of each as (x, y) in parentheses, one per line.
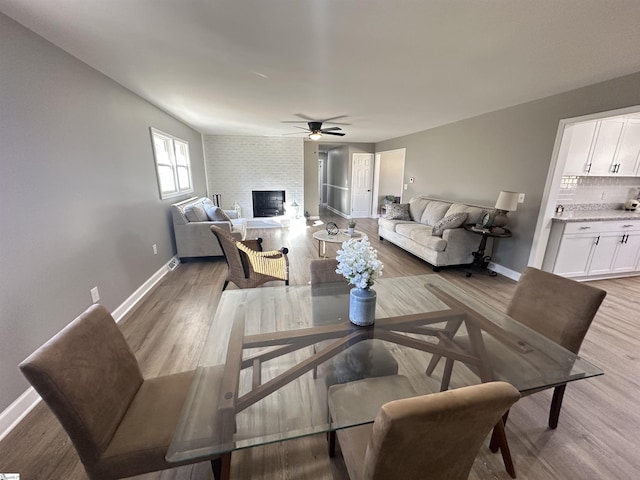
(433, 230)
(192, 220)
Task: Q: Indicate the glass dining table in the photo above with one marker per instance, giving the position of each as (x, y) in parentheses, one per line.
(287, 345)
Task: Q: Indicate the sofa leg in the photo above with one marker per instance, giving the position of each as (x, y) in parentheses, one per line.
(381, 239)
(436, 269)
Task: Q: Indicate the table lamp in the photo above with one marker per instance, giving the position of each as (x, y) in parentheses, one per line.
(295, 207)
(507, 202)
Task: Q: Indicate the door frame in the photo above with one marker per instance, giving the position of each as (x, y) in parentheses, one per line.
(376, 178)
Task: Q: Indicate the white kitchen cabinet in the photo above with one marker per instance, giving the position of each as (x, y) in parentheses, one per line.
(603, 153)
(596, 249)
(628, 153)
(577, 140)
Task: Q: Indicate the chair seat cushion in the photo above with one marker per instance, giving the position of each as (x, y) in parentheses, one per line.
(143, 436)
(357, 438)
(359, 402)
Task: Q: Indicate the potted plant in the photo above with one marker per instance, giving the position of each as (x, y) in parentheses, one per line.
(351, 225)
(389, 199)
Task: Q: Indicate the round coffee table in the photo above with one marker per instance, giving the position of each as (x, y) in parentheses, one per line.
(323, 237)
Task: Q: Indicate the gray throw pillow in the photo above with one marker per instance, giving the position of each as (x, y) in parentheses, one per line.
(451, 221)
(196, 213)
(397, 211)
(216, 214)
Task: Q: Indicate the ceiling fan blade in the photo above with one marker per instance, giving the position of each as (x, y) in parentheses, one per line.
(334, 133)
(330, 129)
(302, 128)
(306, 118)
(326, 120)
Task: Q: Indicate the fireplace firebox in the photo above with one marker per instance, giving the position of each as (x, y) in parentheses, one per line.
(268, 203)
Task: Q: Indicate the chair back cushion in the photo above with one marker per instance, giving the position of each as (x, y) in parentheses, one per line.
(435, 436)
(559, 308)
(88, 376)
(324, 271)
(231, 252)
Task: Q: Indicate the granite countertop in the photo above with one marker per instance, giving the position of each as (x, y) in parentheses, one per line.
(595, 215)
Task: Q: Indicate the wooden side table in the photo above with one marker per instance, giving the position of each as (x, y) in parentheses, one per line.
(480, 260)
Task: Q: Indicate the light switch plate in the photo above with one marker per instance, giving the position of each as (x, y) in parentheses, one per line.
(521, 198)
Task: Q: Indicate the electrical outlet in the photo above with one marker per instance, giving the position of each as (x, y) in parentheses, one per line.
(411, 179)
(521, 198)
(95, 296)
(405, 186)
(155, 249)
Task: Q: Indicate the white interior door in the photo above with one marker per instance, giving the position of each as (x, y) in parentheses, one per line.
(361, 185)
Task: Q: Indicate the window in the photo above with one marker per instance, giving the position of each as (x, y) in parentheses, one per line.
(173, 166)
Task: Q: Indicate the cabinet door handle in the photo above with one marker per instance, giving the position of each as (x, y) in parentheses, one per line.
(627, 226)
(597, 239)
(588, 167)
(585, 228)
(622, 239)
(627, 238)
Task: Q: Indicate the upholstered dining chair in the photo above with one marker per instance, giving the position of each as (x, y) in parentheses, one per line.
(559, 308)
(248, 265)
(434, 436)
(120, 423)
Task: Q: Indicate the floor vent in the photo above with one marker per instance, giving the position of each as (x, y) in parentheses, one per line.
(173, 264)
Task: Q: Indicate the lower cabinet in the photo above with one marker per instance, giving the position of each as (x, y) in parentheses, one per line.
(593, 249)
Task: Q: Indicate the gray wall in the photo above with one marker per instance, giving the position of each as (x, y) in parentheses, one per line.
(311, 170)
(510, 149)
(79, 200)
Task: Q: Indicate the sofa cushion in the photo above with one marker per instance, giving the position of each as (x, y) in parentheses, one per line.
(423, 238)
(216, 214)
(473, 213)
(450, 221)
(417, 206)
(196, 213)
(407, 229)
(397, 211)
(434, 212)
(391, 224)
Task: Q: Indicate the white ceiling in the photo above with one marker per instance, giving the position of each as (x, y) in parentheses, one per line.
(242, 67)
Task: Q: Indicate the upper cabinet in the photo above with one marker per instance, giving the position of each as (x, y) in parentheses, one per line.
(608, 147)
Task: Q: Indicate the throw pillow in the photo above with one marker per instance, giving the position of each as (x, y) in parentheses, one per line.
(397, 211)
(452, 221)
(216, 214)
(196, 213)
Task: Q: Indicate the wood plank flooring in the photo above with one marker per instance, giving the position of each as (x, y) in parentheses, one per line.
(599, 429)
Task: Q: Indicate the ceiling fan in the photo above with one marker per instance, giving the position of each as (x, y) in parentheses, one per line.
(315, 126)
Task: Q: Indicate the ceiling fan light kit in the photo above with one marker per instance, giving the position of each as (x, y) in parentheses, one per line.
(315, 136)
(316, 131)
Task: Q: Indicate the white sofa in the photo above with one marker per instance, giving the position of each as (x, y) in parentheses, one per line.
(191, 225)
(416, 234)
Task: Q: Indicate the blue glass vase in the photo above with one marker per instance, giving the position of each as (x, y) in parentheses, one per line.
(362, 306)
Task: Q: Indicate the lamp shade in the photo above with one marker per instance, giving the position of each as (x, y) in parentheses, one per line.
(507, 201)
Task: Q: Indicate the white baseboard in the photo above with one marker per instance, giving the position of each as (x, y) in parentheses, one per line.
(14, 413)
(507, 272)
(337, 212)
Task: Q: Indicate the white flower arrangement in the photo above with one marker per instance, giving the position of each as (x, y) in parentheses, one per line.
(358, 262)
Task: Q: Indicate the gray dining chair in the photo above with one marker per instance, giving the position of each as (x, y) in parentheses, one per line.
(559, 308)
(434, 436)
(120, 423)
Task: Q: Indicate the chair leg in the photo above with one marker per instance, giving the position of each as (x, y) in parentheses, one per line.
(221, 467)
(556, 405)
(331, 438)
(499, 432)
(493, 444)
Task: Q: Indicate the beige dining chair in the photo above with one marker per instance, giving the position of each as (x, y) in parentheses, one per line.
(248, 265)
(120, 423)
(559, 308)
(434, 436)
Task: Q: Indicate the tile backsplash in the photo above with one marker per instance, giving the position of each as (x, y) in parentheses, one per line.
(597, 193)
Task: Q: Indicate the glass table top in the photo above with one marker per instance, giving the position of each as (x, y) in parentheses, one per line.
(287, 345)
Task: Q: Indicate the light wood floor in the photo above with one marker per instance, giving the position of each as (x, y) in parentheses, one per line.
(598, 436)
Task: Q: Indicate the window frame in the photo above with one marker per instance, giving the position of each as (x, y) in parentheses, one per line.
(174, 143)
